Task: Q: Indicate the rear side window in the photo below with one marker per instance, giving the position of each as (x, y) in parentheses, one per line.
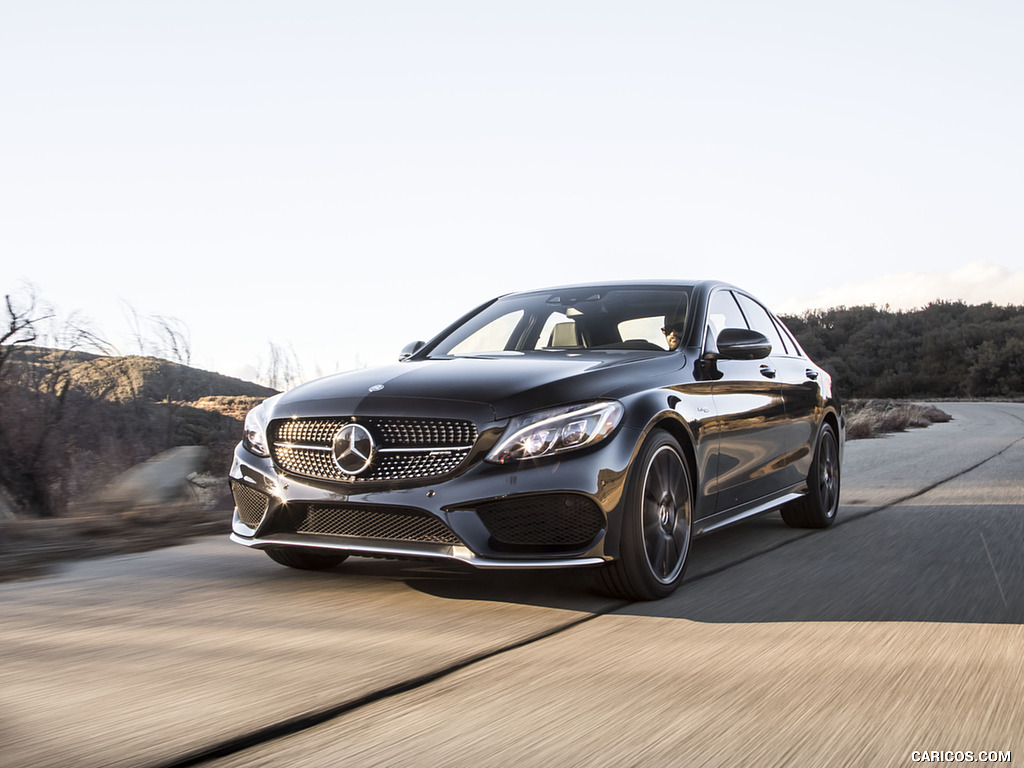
(787, 336)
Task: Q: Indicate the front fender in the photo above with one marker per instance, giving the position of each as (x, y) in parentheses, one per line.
(688, 413)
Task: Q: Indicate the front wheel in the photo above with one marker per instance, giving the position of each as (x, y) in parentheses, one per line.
(819, 507)
(304, 560)
(656, 524)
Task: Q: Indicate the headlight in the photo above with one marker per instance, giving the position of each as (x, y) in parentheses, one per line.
(254, 438)
(562, 429)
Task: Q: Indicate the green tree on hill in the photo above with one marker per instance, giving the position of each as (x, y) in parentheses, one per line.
(947, 349)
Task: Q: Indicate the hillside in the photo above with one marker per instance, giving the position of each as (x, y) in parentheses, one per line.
(130, 378)
(70, 421)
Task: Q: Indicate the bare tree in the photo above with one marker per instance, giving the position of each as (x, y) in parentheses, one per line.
(38, 414)
(22, 323)
(168, 338)
(173, 340)
(75, 334)
(134, 326)
(283, 369)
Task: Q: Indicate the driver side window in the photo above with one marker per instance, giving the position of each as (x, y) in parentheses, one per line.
(723, 312)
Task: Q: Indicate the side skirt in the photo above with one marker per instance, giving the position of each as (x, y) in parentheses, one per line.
(735, 515)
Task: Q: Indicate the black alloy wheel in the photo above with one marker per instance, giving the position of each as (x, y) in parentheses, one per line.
(303, 559)
(818, 509)
(656, 524)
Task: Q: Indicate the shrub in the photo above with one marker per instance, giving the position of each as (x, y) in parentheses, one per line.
(870, 418)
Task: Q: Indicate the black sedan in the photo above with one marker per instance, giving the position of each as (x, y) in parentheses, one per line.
(587, 425)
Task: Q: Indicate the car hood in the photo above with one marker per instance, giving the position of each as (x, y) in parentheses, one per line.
(492, 388)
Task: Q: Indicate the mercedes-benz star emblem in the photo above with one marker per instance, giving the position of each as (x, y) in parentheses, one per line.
(353, 449)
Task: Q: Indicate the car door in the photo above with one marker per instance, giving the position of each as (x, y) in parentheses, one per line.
(797, 381)
(753, 431)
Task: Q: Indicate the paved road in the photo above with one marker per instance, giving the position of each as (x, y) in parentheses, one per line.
(899, 629)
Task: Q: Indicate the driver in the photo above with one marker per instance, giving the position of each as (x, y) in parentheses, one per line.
(673, 331)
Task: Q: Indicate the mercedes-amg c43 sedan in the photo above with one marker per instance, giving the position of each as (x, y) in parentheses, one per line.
(602, 425)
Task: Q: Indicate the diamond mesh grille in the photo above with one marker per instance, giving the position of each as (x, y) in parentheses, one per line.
(251, 504)
(389, 433)
(407, 449)
(423, 432)
(563, 520)
(393, 524)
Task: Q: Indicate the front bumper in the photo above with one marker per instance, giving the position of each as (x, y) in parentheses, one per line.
(552, 514)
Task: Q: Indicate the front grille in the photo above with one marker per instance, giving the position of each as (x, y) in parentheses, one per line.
(560, 521)
(388, 431)
(251, 504)
(406, 449)
(390, 523)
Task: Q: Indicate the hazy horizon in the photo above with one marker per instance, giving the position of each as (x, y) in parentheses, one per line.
(978, 283)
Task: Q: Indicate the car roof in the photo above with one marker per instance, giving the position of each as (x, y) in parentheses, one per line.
(701, 285)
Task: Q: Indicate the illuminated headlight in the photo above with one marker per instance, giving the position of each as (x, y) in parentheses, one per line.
(254, 438)
(562, 429)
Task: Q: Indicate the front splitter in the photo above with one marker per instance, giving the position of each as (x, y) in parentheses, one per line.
(461, 554)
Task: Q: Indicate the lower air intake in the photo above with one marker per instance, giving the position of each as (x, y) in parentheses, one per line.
(557, 521)
(251, 504)
(387, 523)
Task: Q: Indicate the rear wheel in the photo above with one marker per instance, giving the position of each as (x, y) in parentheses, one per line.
(656, 524)
(303, 559)
(819, 507)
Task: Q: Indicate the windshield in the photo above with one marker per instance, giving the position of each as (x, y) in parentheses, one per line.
(625, 317)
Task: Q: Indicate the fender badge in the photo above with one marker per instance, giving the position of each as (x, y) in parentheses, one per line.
(376, 387)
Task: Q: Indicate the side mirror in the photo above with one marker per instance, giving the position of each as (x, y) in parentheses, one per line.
(411, 349)
(742, 344)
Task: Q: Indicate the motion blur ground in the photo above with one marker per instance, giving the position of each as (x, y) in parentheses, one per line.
(898, 630)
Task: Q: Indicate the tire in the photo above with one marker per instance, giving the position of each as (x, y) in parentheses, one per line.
(656, 524)
(818, 509)
(303, 559)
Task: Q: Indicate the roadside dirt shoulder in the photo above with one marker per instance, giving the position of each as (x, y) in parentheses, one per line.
(31, 548)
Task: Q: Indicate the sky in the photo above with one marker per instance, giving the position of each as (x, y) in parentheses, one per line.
(340, 178)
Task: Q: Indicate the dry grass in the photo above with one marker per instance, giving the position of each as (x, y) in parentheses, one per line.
(233, 406)
(871, 418)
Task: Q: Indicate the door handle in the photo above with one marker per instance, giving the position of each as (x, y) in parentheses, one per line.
(767, 371)
(811, 373)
